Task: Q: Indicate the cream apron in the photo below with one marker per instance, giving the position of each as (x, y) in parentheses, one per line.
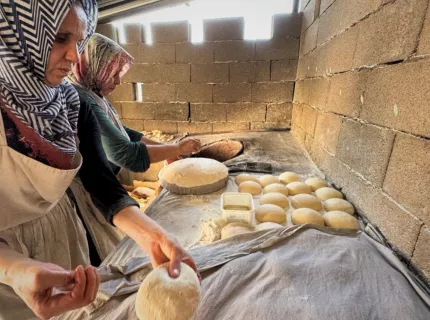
(37, 219)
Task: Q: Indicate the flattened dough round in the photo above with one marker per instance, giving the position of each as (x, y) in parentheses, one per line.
(270, 213)
(194, 176)
(244, 177)
(298, 187)
(251, 187)
(267, 179)
(336, 204)
(276, 198)
(268, 225)
(276, 187)
(326, 193)
(288, 177)
(306, 215)
(341, 220)
(235, 228)
(316, 183)
(306, 201)
(164, 298)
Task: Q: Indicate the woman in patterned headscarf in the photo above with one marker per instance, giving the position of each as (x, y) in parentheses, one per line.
(42, 240)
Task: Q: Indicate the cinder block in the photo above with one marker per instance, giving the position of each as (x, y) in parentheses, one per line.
(299, 135)
(232, 92)
(137, 110)
(173, 73)
(327, 131)
(161, 125)
(237, 50)
(408, 175)
(307, 64)
(421, 255)
(132, 49)
(346, 93)
(281, 113)
(308, 41)
(270, 126)
(171, 111)
(313, 92)
(308, 120)
(223, 29)
(343, 14)
(246, 112)
(141, 73)
(296, 116)
(171, 32)
(366, 149)
(194, 53)
(158, 92)
(310, 14)
(396, 97)
(287, 25)
(133, 124)
(209, 112)
(277, 49)
(194, 92)
(210, 72)
(194, 127)
(250, 71)
(324, 5)
(284, 70)
(133, 33)
(117, 107)
(123, 92)
(395, 28)
(231, 126)
(156, 53)
(108, 30)
(424, 41)
(272, 92)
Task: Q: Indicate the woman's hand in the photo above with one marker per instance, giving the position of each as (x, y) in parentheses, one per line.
(189, 146)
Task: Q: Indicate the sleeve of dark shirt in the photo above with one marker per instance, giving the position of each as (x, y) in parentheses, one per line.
(97, 177)
(135, 136)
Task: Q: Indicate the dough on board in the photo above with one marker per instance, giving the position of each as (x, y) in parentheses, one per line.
(275, 198)
(341, 220)
(336, 204)
(244, 177)
(326, 193)
(251, 187)
(270, 213)
(316, 183)
(306, 201)
(276, 187)
(267, 225)
(267, 179)
(298, 188)
(306, 215)
(288, 177)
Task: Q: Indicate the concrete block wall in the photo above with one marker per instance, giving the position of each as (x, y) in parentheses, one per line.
(224, 84)
(361, 109)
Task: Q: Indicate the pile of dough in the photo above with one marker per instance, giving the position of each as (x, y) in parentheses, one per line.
(306, 215)
(270, 213)
(276, 198)
(316, 183)
(298, 188)
(306, 201)
(268, 225)
(164, 298)
(288, 177)
(244, 177)
(326, 193)
(336, 204)
(341, 220)
(267, 179)
(276, 187)
(251, 187)
(194, 176)
(235, 228)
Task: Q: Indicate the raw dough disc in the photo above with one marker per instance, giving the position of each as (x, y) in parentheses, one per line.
(194, 176)
(276, 187)
(288, 177)
(341, 220)
(244, 177)
(251, 187)
(316, 183)
(268, 225)
(298, 187)
(336, 204)
(235, 228)
(306, 215)
(267, 179)
(276, 198)
(163, 298)
(326, 193)
(270, 213)
(306, 201)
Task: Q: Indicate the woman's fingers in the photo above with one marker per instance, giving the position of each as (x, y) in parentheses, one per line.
(175, 262)
(78, 292)
(92, 285)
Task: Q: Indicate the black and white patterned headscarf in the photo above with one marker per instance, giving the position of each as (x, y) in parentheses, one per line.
(27, 33)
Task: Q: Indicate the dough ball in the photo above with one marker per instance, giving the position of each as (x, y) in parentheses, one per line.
(164, 298)
(328, 193)
(288, 177)
(306, 215)
(251, 187)
(298, 188)
(341, 220)
(336, 204)
(316, 183)
(276, 187)
(244, 177)
(268, 225)
(235, 228)
(306, 201)
(194, 176)
(270, 213)
(276, 198)
(267, 179)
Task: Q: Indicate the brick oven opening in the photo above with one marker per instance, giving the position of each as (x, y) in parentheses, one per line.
(221, 150)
